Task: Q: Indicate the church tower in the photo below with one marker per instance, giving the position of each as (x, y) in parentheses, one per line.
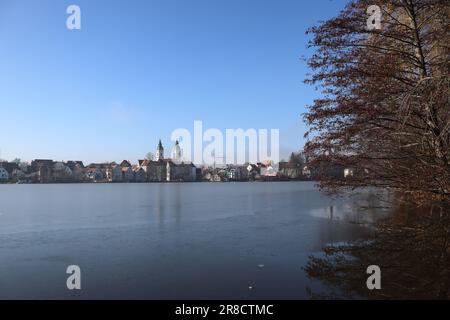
(176, 153)
(159, 151)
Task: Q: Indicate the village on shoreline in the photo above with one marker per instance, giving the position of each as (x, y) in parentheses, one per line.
(156, 169)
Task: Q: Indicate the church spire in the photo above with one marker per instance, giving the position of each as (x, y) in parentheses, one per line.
(176, 153)
(159, 151)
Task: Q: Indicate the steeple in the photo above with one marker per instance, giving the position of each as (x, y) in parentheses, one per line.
(176, 153)
(159, 151)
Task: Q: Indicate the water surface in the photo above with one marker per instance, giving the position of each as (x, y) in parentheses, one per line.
(169, 241)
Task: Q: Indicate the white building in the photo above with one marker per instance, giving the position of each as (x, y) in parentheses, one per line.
(176, 153)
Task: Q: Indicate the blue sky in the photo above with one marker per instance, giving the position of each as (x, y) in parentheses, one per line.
(137, 70)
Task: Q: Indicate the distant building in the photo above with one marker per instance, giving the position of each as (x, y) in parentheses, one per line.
(61, 172)
(43, 170)
(102, 172)
(176, 153)
(125, 164)
(103, 165)
(198, 174)
(95, 174)
(77, 168)
(181, 171)
(232, 174)
(159, 152)
(268, 169)
(254, 171)
(156, 170)
(127, 174)
(143, 164)
(164, 170)
(290, 170)
(74, 164)
(114, 173)
(206, 175)
(139, 174)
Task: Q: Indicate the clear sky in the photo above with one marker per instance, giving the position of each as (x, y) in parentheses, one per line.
(137, 70)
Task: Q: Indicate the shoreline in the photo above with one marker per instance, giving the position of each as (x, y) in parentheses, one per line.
(155, 182)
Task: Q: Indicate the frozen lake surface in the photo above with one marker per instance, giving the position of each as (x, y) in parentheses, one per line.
(168, 241)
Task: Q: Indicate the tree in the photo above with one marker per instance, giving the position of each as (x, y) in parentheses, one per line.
(385, 107)
(297, 158)
(385, 113)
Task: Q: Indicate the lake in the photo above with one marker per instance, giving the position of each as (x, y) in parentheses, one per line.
(170, 240)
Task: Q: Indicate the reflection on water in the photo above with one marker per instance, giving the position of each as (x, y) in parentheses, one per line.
(412, 248)
(361, 209)
(169, 241)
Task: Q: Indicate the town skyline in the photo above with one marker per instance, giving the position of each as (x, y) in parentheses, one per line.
(162, 166)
